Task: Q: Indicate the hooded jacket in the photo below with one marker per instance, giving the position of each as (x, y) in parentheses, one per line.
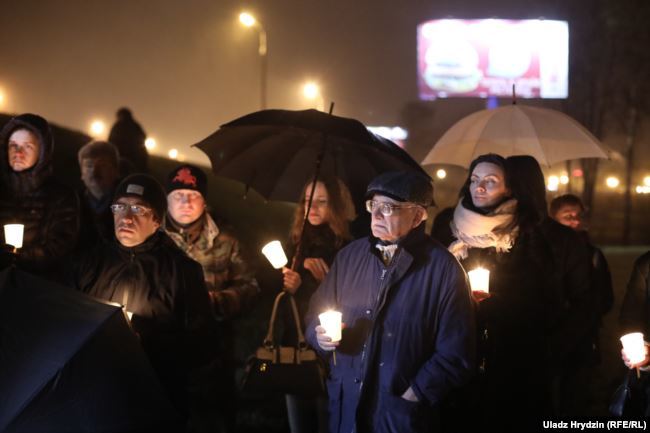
(48, 209)
(408, 324)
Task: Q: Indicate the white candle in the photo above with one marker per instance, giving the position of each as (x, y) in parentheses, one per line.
(331, 321)
(479, 280)
(275, 254)
(634, 347)
(14, 235)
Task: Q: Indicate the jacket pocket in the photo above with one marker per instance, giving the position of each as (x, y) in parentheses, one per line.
(395, 414)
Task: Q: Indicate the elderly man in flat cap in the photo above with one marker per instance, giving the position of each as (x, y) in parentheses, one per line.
(409, 334)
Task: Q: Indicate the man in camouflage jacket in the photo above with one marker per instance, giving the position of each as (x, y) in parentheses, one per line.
(230, 283)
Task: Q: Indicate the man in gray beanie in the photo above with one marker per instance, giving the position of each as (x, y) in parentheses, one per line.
(409, 319)
(159, 287)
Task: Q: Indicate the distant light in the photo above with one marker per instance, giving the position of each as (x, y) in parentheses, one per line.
(247, 19)
(612, 182)
(311, 90)
(646, 181)
(577, 172)
(553, 183)
(643, 189)
(564, 179)
(150, 143)
(441, 174)
(390, 132)
(173, 153)
(97, 128)
(3, 98)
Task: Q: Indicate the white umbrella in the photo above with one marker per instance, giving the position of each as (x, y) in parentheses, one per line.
(548, 135)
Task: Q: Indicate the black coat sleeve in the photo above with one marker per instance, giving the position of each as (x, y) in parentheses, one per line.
(634, 309)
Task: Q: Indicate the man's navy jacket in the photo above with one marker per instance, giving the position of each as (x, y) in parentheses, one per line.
(408, 324)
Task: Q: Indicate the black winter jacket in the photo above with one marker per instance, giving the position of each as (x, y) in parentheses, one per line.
(48, 209)
(165, 291)
(541, 311)
(635, 309)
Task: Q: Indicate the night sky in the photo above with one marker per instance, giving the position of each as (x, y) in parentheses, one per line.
(185, 67)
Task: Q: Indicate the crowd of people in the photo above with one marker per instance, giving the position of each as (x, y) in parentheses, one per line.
(420, 350)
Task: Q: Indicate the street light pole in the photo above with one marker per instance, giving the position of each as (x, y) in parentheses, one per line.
(263, 65)
(249, 20)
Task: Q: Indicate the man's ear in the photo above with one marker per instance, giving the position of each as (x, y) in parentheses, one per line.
(419, 216)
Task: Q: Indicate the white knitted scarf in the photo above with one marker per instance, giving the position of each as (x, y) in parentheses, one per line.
(473, 230)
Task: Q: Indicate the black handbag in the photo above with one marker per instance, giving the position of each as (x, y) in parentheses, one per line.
(285, 369)
(630, 398)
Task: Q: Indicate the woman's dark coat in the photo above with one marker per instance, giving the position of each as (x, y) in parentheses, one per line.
(635, 309)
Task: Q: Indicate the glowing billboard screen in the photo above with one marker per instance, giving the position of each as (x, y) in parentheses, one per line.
(481, 58)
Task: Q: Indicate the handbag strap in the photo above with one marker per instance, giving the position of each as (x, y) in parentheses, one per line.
(268, 340)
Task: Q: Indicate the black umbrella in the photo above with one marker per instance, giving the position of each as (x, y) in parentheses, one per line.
(275, 152)
(70, 363)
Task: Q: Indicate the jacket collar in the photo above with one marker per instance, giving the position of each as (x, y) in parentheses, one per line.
(209, 230)
(409, 242)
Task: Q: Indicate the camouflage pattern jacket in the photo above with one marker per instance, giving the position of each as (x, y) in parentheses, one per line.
(229, 280)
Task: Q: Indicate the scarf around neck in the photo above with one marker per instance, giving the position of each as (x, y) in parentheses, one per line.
(473, 230)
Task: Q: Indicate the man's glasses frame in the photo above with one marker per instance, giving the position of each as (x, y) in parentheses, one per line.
(386, 209)
(135, 209)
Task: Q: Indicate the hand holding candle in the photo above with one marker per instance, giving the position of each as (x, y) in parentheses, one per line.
(634, 348)
(331, 321)
(328, 334)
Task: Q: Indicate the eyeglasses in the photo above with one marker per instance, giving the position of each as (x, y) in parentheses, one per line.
(135, 209)
(386, 209)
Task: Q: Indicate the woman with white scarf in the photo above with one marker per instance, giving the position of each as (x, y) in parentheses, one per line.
(493, 230)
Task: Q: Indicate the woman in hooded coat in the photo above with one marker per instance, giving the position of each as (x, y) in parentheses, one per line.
(497, 225)
(30, 195)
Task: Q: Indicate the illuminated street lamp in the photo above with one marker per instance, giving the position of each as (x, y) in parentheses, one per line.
(150, 143)
(612, 182)
(248, 20)
(97, 128)
(311, 91)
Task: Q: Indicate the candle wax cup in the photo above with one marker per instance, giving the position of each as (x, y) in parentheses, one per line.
(634, 347)
(275, 254)
(479, 280)
(331, 321)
